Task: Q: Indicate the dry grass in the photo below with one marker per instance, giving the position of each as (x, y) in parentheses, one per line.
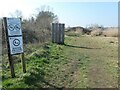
(111, 32)
(96, 32)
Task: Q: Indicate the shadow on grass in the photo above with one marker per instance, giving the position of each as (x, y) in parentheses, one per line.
(80, 47)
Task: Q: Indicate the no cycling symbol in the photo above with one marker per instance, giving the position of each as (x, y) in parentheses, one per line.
(12, 27)
(16, 42)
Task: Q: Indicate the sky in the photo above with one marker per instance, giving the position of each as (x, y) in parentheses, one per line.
(71, 12)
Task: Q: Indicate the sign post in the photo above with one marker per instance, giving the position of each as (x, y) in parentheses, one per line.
(23, 63)
(13, 31)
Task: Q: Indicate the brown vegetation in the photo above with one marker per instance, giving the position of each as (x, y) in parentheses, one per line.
(111, 32)
(96, 32)
(93, 31)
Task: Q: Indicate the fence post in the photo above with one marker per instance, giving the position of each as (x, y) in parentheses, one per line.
(56, 32)
(60, 33)
(62, 29)
(59, 36)
(53, 32)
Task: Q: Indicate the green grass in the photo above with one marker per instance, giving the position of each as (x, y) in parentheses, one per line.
(39, 63)
(81, 62)
(102, 59)
(73, 34)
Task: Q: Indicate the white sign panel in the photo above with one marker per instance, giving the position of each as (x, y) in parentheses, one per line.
(16, 45)
(14, 26)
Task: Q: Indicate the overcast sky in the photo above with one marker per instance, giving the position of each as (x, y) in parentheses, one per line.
(72, 12)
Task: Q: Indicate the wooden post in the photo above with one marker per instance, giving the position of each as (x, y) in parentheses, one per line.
(55, 26)
(53, 33)
(9, 55)
(23, 63)
(62, 29)
(11, 65)
(57, 29)
(59, 33)
(23, 59)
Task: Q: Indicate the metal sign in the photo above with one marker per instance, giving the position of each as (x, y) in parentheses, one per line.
(16, 45)
(14, 26)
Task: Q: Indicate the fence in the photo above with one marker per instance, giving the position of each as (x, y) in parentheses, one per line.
(58, 33)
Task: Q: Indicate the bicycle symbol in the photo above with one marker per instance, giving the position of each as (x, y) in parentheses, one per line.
(16, 42)
(12, 27)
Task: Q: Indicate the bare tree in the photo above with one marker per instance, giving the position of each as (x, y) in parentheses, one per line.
(45, 17)
(17, 14)
(38, 28)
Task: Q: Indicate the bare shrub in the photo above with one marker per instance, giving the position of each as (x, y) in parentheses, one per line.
(29, 36)
(111, 32)
(94, 27)
(96, 32)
